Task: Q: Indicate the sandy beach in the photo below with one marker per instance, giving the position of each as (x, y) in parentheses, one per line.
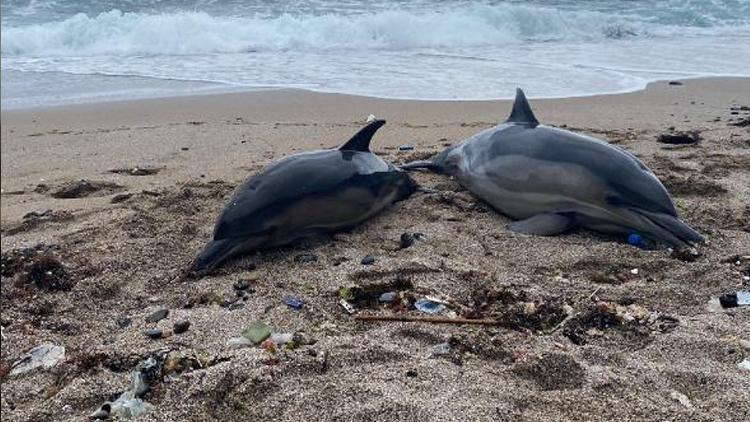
(590, 327)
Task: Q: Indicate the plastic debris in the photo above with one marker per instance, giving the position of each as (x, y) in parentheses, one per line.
(348, 307)
(441, 349)
(387, 297)
(635, 239)
(406, 147)
(281, 339)
(239, 342)
(130, 403)
(681, 398)
(735, 299)
(370, 118)
(257, 332)
(293, 302)
(127, 408)
(429, 306)
(45, 356)
(744, 365)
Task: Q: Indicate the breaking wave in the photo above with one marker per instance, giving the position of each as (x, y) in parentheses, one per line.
(183, 33)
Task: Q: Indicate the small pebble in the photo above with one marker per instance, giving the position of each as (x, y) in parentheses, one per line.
(235, 306)
(154, 333)
(387, 297)
(406, 147)
(407, 239)
(158, 315)
(293, 302)
(123, 321)
(181, 326)
(368, 260)
(411, 373)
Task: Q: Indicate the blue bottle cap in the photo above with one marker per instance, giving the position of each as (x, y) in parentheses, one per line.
(635, 239)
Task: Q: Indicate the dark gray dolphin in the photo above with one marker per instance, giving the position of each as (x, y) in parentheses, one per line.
(306, 194)
(553, 180)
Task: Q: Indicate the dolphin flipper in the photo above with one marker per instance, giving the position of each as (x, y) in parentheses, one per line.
(547, 224)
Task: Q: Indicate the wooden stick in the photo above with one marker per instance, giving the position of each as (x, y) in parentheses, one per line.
(432, 320)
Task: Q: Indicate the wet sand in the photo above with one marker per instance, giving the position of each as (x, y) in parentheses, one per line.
(590, 327)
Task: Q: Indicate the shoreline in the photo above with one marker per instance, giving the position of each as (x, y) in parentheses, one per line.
(223, 88)
(644, 341)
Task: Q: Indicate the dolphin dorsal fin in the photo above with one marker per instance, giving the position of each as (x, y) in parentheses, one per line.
(361, 140)
(521, 112)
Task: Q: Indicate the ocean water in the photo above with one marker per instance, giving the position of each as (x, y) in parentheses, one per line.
(65, 51)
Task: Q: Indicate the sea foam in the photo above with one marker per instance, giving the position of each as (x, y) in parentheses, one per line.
(181, 33)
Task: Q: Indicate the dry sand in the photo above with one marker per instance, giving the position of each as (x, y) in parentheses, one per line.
(676, 361)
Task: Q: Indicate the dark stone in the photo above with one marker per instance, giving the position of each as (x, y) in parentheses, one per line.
(678, 83)
(368, 260)
(235, 306)
(181, 326)
(679, 138)
(123, 321)
(728, 300)
(407, 239)
(154, 333)
(411, 373)
(406, 147)
(158, 315)
(184, 148)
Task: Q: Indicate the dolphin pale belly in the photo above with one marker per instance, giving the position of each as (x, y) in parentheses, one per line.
(552, 180)
(306, 194)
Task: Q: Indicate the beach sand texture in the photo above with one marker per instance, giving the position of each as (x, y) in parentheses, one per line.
(125, 237)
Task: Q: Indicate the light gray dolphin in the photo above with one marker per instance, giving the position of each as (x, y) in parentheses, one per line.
(306, 194)
(552, 180)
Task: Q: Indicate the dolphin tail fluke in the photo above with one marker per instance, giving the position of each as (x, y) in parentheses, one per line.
(213, 254)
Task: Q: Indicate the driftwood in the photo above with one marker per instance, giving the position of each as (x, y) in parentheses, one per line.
(431, 320)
